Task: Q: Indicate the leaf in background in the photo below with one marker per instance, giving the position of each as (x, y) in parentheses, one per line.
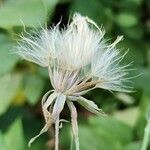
(90, 139)
(9, 84)
(101, 133)
(125, 98)
(31, 13)
(130, 5)
(43, 72)
(138, 2)
(97, 11)
(147, 47)
(2, 142)
(112, 128)
(19, 99)
(143, 81)
(126, 19)
(31, 126)
(7, 59)
(144, 106)
(135, 53)
(33, 88)
(50, 6)
(123, 115)
(14, 137)
(133, 146)
(144, 111)
(132, 32)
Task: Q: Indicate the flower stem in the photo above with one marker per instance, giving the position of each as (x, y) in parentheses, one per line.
(57, 134)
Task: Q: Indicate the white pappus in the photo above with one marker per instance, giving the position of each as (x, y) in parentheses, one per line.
(78, 59)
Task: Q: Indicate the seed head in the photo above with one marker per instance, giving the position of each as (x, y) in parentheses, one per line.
(78, 59)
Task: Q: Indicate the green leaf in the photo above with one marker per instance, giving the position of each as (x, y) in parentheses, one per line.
(14, 137)
(144, 109)
(130, 5)
(133, 146)
(136, 1)
(125, 19)
(2, 142)
(31, 13)
(8, 60)
(101, 134)
(33, 88)
(91, 140)
(135, 53)
(96, 7)
(112, 128)
(50, 6)
(38, 145)
(43, 72)
(123, 115)
(143, 80)
(132, 32)
(125, 98)
(9, 85)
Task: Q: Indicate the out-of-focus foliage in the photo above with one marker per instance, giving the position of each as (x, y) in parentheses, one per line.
(22, 84)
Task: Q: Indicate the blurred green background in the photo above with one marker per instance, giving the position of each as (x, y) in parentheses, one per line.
(22, 84)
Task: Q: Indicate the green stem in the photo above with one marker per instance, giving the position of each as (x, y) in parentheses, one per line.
(146, 136)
